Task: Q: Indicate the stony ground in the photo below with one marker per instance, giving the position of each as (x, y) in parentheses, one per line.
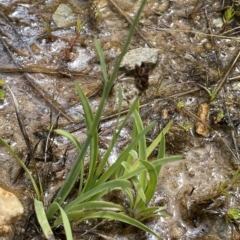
(42, 56)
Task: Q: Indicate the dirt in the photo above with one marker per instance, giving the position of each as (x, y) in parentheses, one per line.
(40, 63)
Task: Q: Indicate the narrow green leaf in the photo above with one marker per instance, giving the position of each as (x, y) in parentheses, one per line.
(66, 223)
(162, 148)
(42, 220)
(152, 182)
(126, 45)
(142, 142)
(88, 115)
(102, 60)
(21, 163)
(97, 205)
(161, 153)
(70, 137)
(134, 154)
(142, 151)
(129, 193)
(158, 139)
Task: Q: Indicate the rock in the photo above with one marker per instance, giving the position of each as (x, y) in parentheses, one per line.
(11, 210)
(64, 16)
(139, 55)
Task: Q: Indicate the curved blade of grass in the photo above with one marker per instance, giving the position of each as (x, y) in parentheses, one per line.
(78, 146)
(21, 163)
(110, 171)
(88, 116)
(97, 205)
(151, 187)
(102, 61)
(142, 147)
(92, 206)
(162, 148)
(152, 182)
(158, 139)
(70, 137)
(66, 223)
(142, 152)
(116, 217)
(102, 189)
(161, 153)
(42, 220)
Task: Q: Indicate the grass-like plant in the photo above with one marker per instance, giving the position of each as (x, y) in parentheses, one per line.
(131, 173)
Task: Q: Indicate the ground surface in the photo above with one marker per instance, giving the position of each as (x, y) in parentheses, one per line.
(195, 48)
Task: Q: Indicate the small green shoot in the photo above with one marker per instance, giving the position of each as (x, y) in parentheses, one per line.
(2, 93)
(229, 185)
(48, 29)
(228, 15)
(2, 83)
(180, 105)
(79, 26)
(232, 215)
(212, 94)
(227, 18)
(220, 115)
(72, 42)
(98, 13)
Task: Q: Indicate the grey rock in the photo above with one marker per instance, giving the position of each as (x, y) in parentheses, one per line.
(138, 55)
(63, 16)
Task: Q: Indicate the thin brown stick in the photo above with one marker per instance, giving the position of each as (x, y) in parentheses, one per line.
(30, 155)
(220, 84)
(233, 131)
(130, 22)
